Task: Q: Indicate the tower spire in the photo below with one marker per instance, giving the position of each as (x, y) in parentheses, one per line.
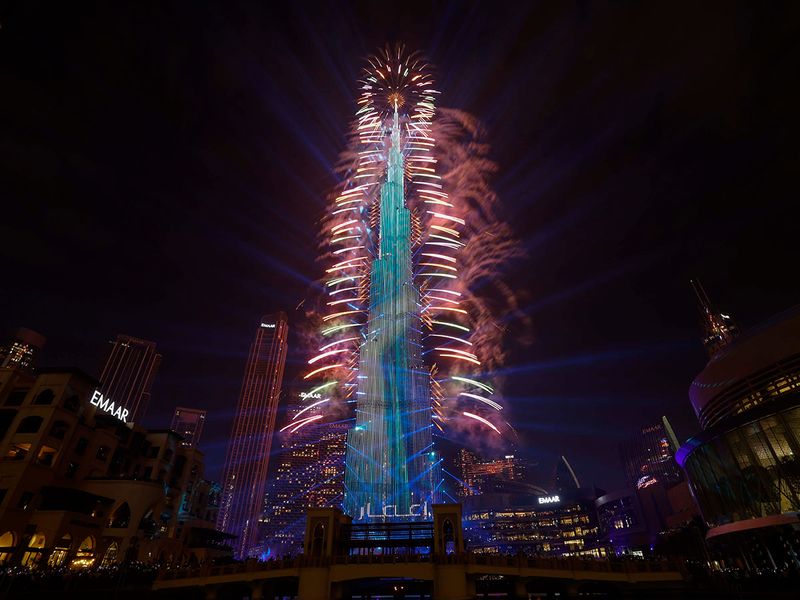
(719, 330)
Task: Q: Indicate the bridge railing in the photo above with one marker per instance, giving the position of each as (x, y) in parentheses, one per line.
(479, 560)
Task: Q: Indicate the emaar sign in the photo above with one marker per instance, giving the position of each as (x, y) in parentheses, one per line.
(549, 499)
(107, 405)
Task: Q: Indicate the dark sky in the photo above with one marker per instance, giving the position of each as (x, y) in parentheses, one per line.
(163, 166)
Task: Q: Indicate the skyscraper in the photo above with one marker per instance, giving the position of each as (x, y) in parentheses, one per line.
(480, 476)
(650, 456)
(23, 350)
(309, 473)
(390, 450)
(128, 374)
(403, 339)
(189, 423)
(247, 458)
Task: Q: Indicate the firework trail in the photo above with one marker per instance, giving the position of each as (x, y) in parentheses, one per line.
(460, 249)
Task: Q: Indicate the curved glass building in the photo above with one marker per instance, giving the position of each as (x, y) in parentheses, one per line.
(744, 467)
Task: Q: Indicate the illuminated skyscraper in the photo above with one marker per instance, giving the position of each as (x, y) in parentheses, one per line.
(247, 458)
(128, 374)
(481, 476)
(403, 339)
(650, 456)
(309, 474)
(189, 423)
(23, 350)
(390, 454)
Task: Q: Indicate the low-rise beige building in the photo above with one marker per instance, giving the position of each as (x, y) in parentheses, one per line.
(79, 486)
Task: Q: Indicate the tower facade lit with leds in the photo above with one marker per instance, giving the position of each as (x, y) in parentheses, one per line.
(403, 341)
(390, 462)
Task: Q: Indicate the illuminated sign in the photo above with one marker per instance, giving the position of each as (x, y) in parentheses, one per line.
(390, 510)
(645, 481)
(305, 395)
(107, 405)
(549, 499)
(268, 325)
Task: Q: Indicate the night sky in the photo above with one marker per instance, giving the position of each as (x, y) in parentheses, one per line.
(163, 167)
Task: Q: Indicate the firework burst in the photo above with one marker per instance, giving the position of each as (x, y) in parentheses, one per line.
(459, 248)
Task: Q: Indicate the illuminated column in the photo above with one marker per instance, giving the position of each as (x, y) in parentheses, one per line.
(247, 458)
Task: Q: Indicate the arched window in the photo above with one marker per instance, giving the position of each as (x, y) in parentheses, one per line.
(84, 558)
(448, 537)
(7, 543)
(318, 540)
(45, 397)
(60, 551)
(34, 551)
(30, 424)
(121, 517)
(111, 555)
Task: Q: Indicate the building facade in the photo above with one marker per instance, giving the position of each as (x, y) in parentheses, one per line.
(128, 373)
(650, 456)
(247, 457)
(189, 422)
(481, 476)
(744, 466)
(540, 524)
(23, 351)
(309, 474)
(80, 487)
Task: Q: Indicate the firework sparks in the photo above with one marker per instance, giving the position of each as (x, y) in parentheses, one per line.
(458, 242)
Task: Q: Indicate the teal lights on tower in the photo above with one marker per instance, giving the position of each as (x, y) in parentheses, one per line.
(390, 462)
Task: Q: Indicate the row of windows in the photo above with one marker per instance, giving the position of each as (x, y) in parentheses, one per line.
(750, 471)
(44, 398)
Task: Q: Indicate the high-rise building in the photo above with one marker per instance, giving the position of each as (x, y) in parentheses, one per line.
(22, 352)
(480, 476)
(309, 474)
(128, 374)
(247, 458)
(188, 422)
(650, 456)
(390, 454)
(400, 341)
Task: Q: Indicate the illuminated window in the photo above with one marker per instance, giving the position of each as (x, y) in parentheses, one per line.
(46, 456)
(59, 554)
(7, 543)
(18, 451)
(84, 558)
(34, 552)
